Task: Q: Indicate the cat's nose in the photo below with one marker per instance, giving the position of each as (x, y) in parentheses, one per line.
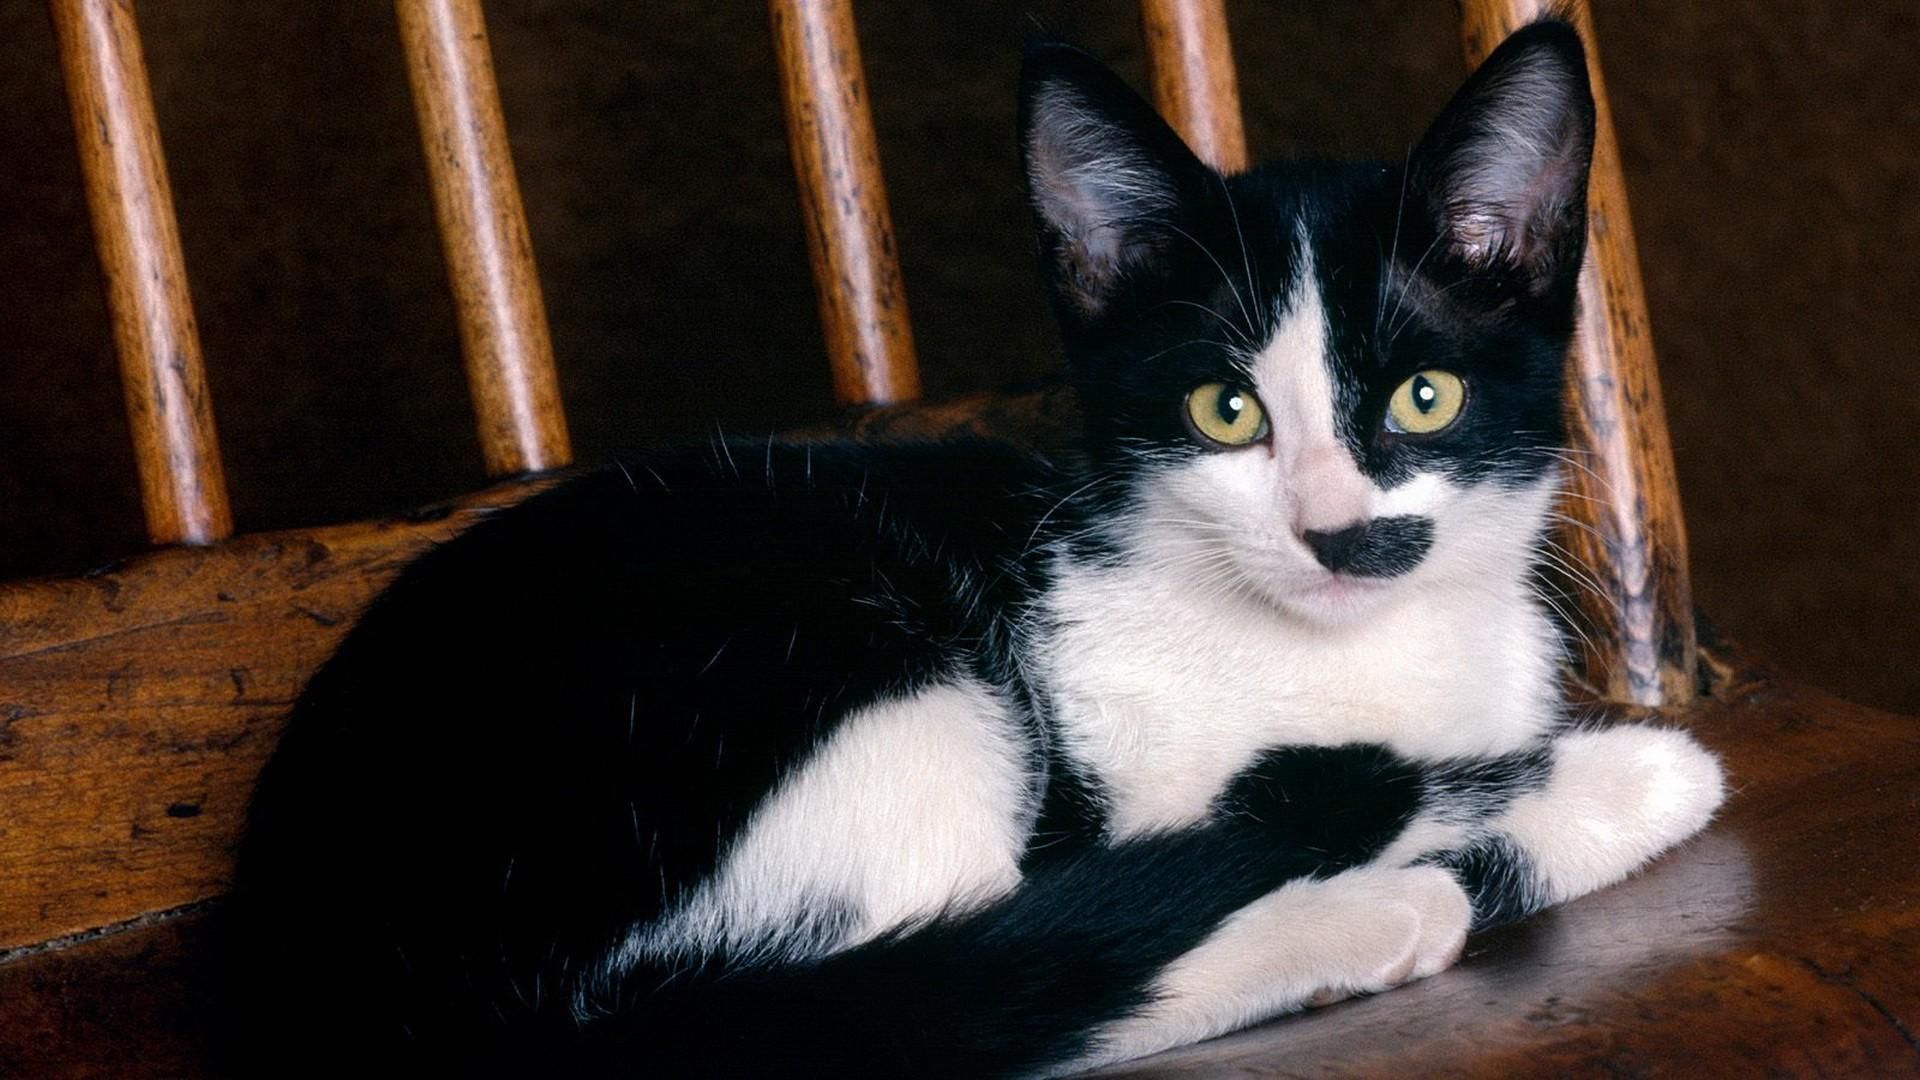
(1329, 491)
(1336, 549)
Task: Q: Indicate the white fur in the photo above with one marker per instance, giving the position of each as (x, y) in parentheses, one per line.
(1219, 635)
(911, 807)
(1359, 932)
(1616, 798)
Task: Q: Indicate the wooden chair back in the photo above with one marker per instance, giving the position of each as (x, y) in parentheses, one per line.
(137, 702)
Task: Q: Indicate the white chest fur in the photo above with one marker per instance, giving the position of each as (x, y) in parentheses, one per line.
(1164, 693)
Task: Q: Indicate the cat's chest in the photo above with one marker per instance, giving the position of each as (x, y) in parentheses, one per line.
(1164, 697)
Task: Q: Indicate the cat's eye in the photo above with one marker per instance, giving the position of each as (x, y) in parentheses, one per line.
(1226, 414)
(1426, 403)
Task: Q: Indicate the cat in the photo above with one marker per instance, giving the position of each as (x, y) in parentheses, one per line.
(957, 759)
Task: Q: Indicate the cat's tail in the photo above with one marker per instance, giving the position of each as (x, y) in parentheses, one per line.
(1024, 985)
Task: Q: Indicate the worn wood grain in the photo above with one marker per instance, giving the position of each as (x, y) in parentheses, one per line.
(856, 271)
(136, 704)
(1044, 419)
(1194, 87)
(483, 235)
(183, 488)
(1621, 488)
(127, 1006)
(1785, 941)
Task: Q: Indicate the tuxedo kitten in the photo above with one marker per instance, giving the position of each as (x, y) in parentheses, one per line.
(835, 759)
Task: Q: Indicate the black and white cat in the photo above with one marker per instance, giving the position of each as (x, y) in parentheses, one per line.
(836, 759)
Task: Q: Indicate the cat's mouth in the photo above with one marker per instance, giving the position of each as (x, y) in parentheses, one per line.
(1333, 596)
(1305, 589)
(1338, 586)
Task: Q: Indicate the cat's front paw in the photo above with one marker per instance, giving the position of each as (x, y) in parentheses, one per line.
(1398, 925)
(1616, 798)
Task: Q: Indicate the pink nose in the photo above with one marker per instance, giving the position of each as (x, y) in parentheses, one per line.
(1330, 492)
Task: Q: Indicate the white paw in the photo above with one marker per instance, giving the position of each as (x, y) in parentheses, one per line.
(1616, 798)
(1359, 932)
(1400, 925)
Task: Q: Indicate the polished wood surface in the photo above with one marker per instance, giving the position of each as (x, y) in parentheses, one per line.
(136, 704)
(1623, 499)
(1194, 87)
(1784, 941)
(182, 486)
(127, 1006)
(483, 233)
(863, 304)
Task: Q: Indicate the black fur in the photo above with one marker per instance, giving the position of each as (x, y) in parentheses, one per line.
(1498, 876)
(1206, 269)
(544, 732)
(1499, 879)
(548, 731)
(1383, 547)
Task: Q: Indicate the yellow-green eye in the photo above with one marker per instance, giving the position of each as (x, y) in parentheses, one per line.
(1426, 403)
(1226, 414)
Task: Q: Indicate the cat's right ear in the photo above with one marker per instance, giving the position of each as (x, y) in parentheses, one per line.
(1111, 183)
(1504, 168)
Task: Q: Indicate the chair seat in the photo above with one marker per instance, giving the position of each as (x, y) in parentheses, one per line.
(1783, 941)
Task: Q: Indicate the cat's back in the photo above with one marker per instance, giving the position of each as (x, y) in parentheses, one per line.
(552, 728)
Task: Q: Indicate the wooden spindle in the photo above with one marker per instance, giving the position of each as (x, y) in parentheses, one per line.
(863, 306)
(483, 233)
(1193, 79)
(182, 486)
(1643, 649)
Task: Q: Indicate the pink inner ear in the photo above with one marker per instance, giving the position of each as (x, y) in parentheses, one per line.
(1506, 163)
(1523, 210)
(1088, 182)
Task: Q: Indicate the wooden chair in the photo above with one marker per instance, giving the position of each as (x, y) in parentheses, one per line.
(136, 702)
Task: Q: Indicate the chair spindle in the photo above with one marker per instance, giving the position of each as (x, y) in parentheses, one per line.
(483, 234)
(1623, 497)
(863, 306)
(182, 485)
(1193, 77)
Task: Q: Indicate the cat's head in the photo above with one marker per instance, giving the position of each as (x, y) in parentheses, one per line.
(1316, 382)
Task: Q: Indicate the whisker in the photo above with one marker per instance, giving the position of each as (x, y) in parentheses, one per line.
(1224, 276)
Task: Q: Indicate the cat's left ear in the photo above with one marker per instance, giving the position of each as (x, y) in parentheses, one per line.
(1503, 171)
(1112, 185)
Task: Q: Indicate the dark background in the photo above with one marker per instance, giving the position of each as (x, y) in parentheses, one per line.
(1770, 149)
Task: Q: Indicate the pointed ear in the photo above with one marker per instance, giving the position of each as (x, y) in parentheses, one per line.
(1504, 168)
(1110, 182)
